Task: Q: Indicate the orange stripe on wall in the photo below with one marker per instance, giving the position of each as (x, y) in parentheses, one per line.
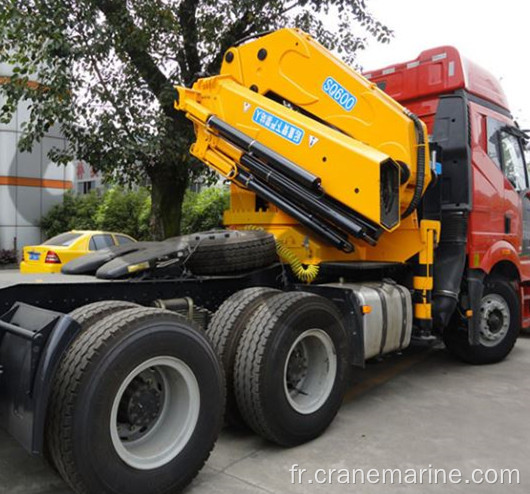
(36, 182)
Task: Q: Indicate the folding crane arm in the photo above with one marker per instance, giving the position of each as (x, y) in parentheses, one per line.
(295, 126)
(291, 67)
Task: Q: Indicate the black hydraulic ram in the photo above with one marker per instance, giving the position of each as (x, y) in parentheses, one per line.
(275, 160)
(332, 235)
(317, 203)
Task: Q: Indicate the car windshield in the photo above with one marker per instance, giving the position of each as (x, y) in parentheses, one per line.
(63, 240)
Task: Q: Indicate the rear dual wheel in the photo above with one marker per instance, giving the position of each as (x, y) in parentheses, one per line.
(90, 314)
(291, 367)
(137, 404)
(225, 330)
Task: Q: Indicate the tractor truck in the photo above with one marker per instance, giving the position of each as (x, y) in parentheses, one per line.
(366, 211)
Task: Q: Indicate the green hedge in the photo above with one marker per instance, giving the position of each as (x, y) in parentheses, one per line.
(8, 256)
(75, 212)
(128, 211)
(204, 210)
(125, 211)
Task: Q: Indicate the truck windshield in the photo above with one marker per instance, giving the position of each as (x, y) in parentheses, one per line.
(63, 240)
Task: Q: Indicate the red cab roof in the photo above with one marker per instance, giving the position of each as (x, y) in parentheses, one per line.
(438, 71)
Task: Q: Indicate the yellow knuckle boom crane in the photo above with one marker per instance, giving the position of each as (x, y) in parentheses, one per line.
(317, 155)
(340, 180)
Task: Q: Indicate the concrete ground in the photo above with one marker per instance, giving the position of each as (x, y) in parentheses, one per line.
(418, 410)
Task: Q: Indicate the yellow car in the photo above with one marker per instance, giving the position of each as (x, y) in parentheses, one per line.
(50, 256)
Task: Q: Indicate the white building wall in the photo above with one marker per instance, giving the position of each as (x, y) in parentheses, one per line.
(30, 184)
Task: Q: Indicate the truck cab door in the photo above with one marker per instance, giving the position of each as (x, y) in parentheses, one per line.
(525, 197)
(517, 192)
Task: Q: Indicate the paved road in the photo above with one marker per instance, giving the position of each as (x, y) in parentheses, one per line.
(409, 411)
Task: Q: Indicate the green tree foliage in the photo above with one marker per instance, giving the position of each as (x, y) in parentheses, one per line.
(74, 213)
(125, 211)
(116, 210)
(204, 210)
(107, 68)
(128, 211)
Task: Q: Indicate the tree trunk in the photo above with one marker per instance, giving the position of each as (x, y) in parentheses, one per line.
(168, 186)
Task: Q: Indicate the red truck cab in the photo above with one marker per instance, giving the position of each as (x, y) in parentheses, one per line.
(484, 174)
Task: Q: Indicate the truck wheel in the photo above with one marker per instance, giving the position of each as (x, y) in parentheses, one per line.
(224, 332)
(291, 368)
(87, 315)
(499, 327)
(137, 405)
(231, 251)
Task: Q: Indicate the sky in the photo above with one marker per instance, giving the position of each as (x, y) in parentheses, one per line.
(494, 34)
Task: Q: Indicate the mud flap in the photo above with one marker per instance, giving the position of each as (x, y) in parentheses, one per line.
(475, 287)
(32, 342)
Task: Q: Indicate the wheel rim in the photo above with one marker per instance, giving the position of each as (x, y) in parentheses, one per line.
(494, 319)
(310, 371)
(155, 412)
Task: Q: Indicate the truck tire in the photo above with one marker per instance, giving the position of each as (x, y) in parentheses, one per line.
(231, 252)
(225, 331)
(87, 315)
(291, 368)
(500, 326)
(136, 406)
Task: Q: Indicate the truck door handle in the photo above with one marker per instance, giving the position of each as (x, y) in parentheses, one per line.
(507, 223)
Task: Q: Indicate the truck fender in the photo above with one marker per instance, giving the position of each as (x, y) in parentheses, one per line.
(32, 343)
(500, 251)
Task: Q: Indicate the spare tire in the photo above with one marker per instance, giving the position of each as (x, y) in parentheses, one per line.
(230, 251)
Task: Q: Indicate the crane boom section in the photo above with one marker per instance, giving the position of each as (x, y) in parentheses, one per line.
(316, 153)
(348, 170)
(292, 67)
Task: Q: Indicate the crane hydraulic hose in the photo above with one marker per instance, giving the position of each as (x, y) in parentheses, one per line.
(420, 165)
(306, 274)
